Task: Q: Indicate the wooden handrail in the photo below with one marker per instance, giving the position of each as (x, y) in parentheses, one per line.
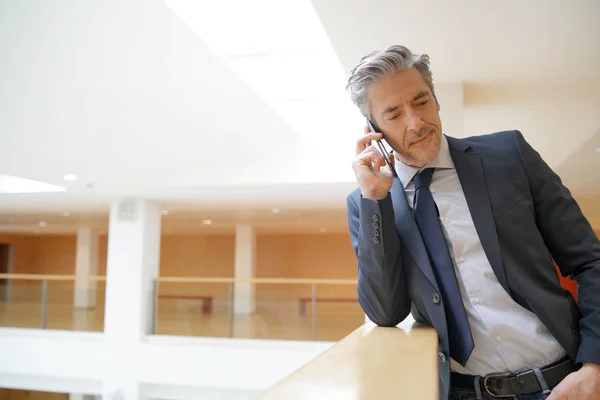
(185, 279)
(190, 279)
(52, 277)
(370, 363)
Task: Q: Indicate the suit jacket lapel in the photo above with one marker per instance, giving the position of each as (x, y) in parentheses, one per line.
(472, 179)
(409, 232)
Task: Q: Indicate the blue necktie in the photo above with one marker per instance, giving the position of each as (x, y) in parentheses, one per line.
(426, 216)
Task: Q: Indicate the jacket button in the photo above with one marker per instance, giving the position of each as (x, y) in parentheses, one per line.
(436, 299)
(375, 240)
(375, 233)
(375, 218)
(442, 356)
(375, 225)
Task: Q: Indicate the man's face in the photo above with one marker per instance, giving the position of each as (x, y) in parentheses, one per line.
(407, 113)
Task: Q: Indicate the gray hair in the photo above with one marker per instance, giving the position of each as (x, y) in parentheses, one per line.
(380, 63)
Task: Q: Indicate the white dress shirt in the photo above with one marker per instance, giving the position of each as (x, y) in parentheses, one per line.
(508, 338)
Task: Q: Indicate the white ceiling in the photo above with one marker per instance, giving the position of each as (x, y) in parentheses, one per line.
(134, 102)
(182, 219)
(128, 99)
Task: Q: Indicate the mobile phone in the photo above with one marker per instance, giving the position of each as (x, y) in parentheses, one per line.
(382, 149)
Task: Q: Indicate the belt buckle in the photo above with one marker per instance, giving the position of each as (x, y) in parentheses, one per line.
(487, 389)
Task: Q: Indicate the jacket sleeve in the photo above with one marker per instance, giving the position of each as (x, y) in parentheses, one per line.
(381, 285)
(572, 242)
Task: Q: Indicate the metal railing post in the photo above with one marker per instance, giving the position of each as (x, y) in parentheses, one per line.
(154, 322)
(9, 286)
(314, 311)
(230, 311)
(44, 303)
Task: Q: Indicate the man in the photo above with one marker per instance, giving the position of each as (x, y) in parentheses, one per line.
(464, 239)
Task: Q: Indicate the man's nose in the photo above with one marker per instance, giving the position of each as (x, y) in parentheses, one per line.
(413, 121)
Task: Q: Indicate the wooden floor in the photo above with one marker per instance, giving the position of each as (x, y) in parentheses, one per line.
(272, 319)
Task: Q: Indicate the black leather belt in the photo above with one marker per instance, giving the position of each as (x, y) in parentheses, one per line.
(507, 385)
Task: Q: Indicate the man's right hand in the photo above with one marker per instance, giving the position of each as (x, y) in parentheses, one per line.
(372, 173)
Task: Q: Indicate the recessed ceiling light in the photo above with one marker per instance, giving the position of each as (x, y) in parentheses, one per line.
(207, 222)
(70, 177)
(275, 211)
(66, 214)
(14, 184)
(597, 149)
(43, 223)
(165, 212)
(323, 230)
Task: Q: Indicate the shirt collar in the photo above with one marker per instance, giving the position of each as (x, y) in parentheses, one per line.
(443, 160)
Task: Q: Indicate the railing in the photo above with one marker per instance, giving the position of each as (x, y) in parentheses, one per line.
(49, 301)
(370, 363)
(270, 308)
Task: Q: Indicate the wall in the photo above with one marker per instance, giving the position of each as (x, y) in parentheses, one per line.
(540, 116)
(305, 256)
(197, 255)
(22, 252)
(323, 256)
(52, 254)
(278, 255)
(42, 254)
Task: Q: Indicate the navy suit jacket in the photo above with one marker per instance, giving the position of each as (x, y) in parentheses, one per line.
(524, 218)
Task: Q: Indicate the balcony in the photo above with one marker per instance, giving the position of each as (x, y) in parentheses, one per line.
(171, 361)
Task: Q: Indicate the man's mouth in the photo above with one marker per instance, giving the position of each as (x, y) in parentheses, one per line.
(423, 139)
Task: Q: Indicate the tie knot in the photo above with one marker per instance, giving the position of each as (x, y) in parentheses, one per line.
(423, 178)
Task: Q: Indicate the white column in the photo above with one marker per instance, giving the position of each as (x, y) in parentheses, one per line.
(132, 265)
(245, 256)
(86, 264)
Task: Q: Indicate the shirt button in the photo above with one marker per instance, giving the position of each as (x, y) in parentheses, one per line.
(446, 219)
(432, 190)
(498, 338)
(435, 298)
(375, 217)
(375, 240)
(462, 259)
(475, 300)
(442, 356)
